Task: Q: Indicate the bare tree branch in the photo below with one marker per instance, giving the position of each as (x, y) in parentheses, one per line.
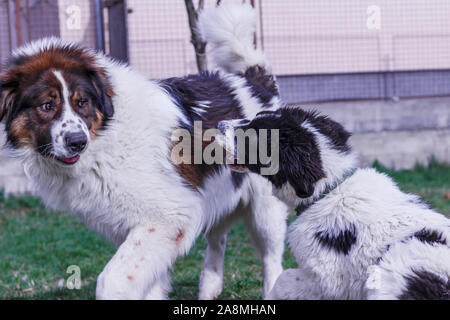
(199, 45)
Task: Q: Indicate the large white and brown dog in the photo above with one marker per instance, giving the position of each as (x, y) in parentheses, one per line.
(358, 235)
(95, 138)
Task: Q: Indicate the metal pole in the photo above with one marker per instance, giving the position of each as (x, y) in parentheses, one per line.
(99, 26)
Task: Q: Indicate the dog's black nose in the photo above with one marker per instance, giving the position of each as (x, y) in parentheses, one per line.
(76, 142)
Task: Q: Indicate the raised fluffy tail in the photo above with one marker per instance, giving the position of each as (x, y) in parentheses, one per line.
(229, 29)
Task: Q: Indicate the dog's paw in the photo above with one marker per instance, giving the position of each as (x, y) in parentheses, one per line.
(211, 285)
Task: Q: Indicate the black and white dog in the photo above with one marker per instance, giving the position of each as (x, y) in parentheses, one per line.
(358, 236)
(96, 139)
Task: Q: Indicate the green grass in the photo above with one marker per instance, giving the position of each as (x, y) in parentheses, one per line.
(37, 246)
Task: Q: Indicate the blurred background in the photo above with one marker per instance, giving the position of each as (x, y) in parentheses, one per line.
(380, 67)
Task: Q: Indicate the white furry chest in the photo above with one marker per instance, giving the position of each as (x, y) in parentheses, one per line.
(90, 199)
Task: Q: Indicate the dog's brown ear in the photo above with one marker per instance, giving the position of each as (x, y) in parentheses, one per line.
(7, 96)
(104, 91)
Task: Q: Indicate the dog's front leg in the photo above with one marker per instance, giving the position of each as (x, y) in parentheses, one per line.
(146, 256)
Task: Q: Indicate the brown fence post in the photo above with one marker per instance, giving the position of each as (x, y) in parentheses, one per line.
(18, 23)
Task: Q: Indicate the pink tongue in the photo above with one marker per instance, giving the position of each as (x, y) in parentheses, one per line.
(70, 160)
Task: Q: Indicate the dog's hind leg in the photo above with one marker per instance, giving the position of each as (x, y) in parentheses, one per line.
(211, 279)
(145, 257)
(266, 222)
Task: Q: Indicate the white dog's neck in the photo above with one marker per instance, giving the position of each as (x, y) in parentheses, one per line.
(303, 206)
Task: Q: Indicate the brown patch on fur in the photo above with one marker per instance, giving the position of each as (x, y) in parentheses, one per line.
(188, 170)
(131, 278)
(179, 237)
(28, 69)
(138, 243)
(151, 230)
(6, 100)
(21, 133)
(97, 124)
(194, 174)
(189, 173)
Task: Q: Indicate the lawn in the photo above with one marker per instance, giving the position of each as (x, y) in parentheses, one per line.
(37, 246)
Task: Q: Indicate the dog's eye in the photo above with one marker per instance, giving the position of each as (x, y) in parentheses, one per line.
(82, 104)
(46, 107)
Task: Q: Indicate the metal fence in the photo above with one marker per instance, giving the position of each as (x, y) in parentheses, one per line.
(320, 50)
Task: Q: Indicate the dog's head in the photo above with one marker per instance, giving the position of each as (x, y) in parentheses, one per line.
(309, 146)
(54, 99)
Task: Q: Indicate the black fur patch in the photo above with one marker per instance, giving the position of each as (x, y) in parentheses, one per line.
(334, 131)
(237, 179)
(424, 285)
(339, 240)
(262, 85)
(430, 236)
(205, 86)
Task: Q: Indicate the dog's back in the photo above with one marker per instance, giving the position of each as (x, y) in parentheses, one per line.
(416, 268)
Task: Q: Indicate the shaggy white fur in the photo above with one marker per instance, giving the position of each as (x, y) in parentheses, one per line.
(230, 29)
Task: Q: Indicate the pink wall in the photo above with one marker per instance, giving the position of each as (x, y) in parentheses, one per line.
(305, 36)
